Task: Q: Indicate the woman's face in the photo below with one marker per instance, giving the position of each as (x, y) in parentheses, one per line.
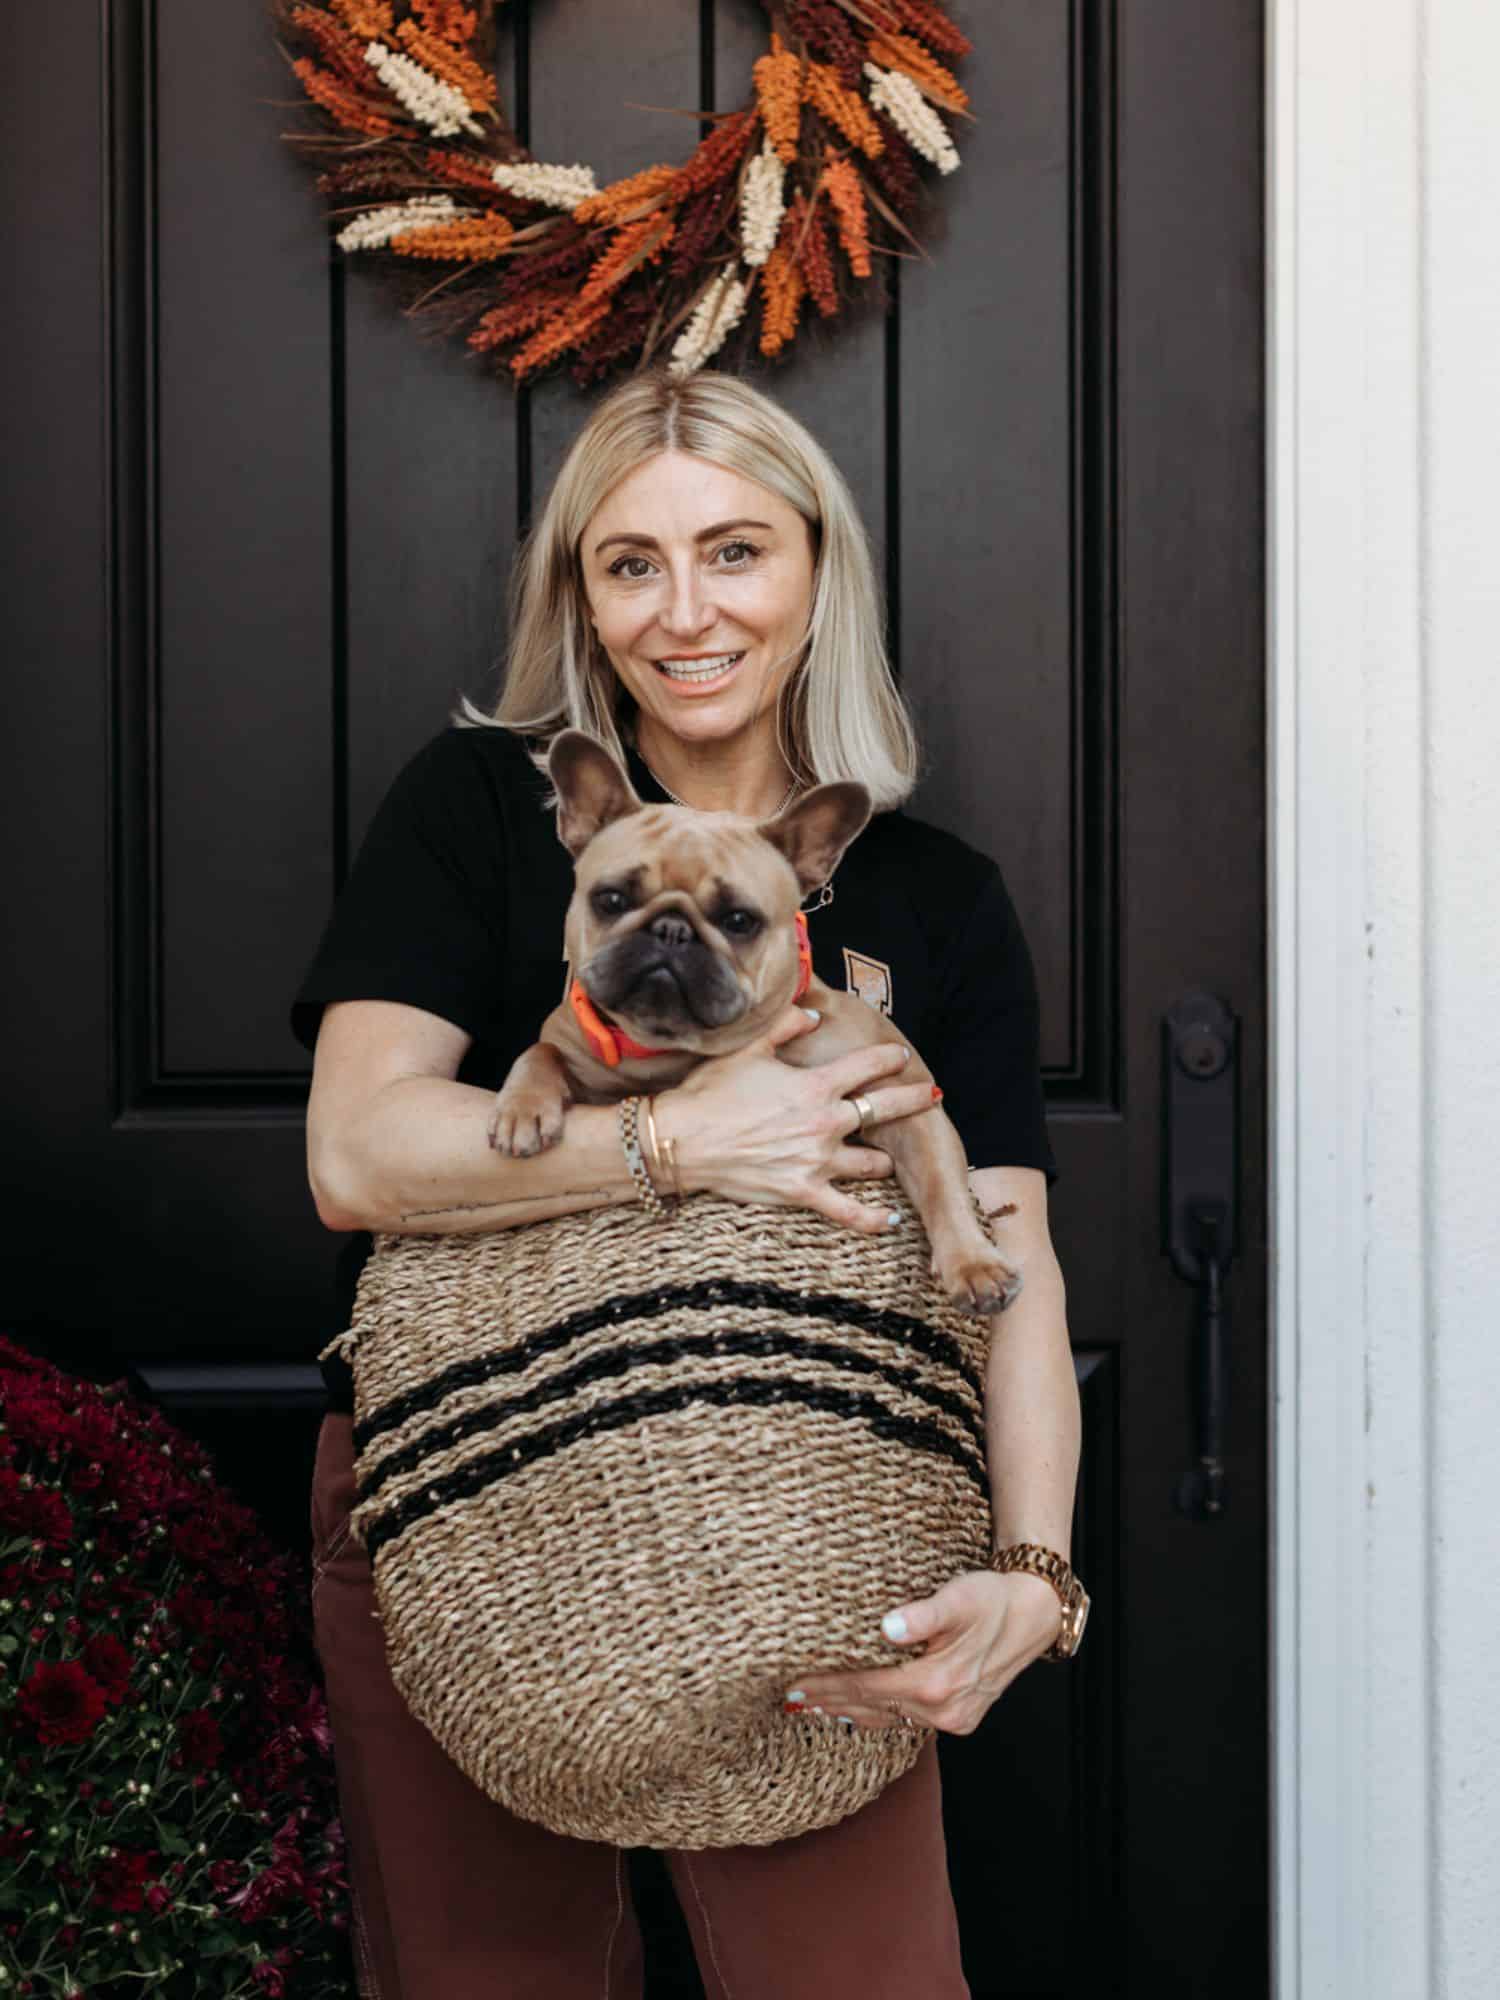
(685, 562)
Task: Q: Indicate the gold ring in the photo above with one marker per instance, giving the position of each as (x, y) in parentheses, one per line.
(866, 1112)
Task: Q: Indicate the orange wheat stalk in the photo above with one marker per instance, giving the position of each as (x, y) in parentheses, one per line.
(466, 239)
(370, 19)
(778, 89)
(901, 52)
(611, 202)
(842, 182)
(624, 253)
(781, 299)
(448, 18)
(822, 89)
(342, 103)
(566, 331)
(450, 64)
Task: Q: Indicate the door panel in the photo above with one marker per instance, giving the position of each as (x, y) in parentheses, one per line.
(262, 539)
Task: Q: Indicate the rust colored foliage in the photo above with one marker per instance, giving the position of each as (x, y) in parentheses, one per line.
(502, 324)
(923, 19)
(344, 55)
(719, 153)
(356, 113)
(828, 33)
(804, 226)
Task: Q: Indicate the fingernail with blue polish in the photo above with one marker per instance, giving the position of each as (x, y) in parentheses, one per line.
(893, 1625)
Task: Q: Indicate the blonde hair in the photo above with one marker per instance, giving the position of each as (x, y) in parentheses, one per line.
(840, 713)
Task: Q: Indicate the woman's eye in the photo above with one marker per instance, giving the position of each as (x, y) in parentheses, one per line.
(751, 551)
(740, 923)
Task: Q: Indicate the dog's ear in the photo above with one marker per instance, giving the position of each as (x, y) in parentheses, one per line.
(592, 789)
(814, 832)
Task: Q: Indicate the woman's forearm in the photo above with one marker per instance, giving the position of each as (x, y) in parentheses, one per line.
(1033, 1423)
(417, 1160)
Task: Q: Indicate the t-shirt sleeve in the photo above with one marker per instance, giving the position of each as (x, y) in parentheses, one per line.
(420, 918)
(986, 1051)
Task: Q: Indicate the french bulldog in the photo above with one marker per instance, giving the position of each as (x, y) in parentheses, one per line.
(685, 943)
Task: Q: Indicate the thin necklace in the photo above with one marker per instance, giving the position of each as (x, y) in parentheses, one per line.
(786, 800)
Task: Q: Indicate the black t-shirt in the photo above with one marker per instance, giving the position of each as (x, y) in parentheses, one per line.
(456, 900)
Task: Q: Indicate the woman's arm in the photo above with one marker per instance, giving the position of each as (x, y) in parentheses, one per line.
(395, 1143)
(1033, 1418)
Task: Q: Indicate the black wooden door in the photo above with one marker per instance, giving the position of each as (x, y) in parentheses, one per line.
(257, 540)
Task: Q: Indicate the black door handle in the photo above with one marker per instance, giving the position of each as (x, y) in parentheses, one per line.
(1200, 1093)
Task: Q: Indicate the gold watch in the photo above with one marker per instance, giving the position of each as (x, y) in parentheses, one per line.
(1059, 1573)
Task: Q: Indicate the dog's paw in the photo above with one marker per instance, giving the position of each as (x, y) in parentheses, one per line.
(978, 1280)
(525, 1121)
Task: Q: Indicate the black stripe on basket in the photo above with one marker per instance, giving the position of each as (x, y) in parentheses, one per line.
(550, 1395)
(513, 1359)
(489, 1467)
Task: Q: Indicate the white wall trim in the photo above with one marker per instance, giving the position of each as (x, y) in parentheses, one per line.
(1383, 813)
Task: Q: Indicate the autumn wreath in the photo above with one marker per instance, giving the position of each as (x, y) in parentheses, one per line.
(791, 196)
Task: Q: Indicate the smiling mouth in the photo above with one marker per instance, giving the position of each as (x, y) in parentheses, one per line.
(697, 672)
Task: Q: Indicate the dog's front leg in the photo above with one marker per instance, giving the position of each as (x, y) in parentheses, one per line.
(528, 1113)
(932, 1167)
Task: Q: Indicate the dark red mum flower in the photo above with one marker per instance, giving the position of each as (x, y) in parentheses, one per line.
(201, 1740)
(109, 1663)
(61, 1702)
(121, 1881)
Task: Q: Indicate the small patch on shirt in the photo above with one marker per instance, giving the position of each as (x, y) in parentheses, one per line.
(870, 978)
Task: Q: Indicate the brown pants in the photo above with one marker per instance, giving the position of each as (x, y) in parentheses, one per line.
(455, 1898)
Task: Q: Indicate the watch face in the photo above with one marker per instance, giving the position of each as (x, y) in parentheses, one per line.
(1076, 1623)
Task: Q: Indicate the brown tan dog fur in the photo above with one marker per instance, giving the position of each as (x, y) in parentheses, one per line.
(681, 930)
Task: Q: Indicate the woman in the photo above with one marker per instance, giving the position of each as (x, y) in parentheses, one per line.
(698, 593)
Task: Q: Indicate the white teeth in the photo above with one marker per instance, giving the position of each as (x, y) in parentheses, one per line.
(698, 670)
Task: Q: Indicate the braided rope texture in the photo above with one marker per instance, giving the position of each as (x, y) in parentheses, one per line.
(623, 1479)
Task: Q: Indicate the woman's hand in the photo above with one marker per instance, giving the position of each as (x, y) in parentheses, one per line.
(752, 1127)
(982, 1629)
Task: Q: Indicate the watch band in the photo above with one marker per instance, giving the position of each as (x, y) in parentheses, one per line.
(1057, 1571)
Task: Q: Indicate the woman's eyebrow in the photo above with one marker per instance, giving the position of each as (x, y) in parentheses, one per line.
(703, 534)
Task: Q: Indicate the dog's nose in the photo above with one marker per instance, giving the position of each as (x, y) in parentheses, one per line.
(672, 930)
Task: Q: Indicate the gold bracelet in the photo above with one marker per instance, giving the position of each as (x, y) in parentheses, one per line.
(630, 1108)
(660, 1175)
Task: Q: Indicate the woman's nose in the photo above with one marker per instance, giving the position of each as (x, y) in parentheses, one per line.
(689, 607)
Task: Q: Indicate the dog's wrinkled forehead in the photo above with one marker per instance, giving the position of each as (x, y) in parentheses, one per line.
(713, 858)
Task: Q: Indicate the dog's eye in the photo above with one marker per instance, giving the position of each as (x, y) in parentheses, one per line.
(610, 902)
(740, 923)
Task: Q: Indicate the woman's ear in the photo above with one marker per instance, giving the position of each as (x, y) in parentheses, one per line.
(814, 832)
(591, 787)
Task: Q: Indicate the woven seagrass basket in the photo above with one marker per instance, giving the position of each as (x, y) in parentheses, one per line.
(622, 1479)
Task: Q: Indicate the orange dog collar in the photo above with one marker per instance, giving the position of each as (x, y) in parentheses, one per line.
(611, 1044)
